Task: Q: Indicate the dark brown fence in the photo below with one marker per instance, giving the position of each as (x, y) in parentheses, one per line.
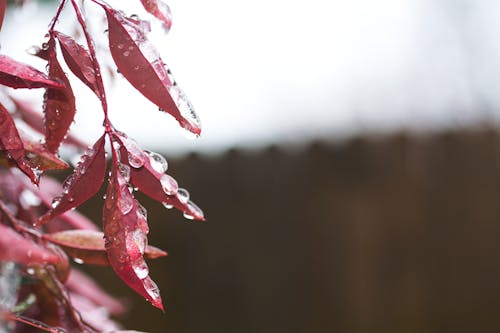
(399, 234)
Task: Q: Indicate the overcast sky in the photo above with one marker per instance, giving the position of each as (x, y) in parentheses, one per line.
(276, 71)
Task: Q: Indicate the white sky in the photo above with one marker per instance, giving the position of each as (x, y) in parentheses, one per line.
(276, 71)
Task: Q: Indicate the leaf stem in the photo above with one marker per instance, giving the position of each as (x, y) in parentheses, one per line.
(56, 17)
(95, 63)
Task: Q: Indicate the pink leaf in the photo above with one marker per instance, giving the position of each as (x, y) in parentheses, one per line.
(154, 183)
(85, 181)
(59, 104)
(140, 63)
(78, 60)
(15, 74)
(14, 247)
(160, 10)
(125, 230)
(89, 247)
(12, 144)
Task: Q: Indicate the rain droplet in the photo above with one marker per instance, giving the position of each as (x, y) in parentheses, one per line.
(152, 289)
(140, 268)
(184, 105)
(70, 199)
(183, 195)
(158, 162)
(142, 212)
(126, 203)
(78, 261)
(167, 205)
(135, 161)
(194, 210)
(125, 172)
(30, 271)
(140, 240)
(56, 201)
(169, 185)
(188, 216)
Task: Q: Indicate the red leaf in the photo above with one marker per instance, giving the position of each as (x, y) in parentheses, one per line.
(59, 104)
(35, 120)
(140, 63)
(155, 183)
(12, 145)
(78, 60)
(3, 6)
(88, 246)
(85, 181)
(41, 159)
(160, 10)
(125, 230)
(15, 74)
(14, 247)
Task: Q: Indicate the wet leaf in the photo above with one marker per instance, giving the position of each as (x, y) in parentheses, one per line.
(78, 60)
(153, 183)
(59, 106)
(140, 63)
(125, 230)
(82, 184)
(16, 74)
(15, 247)
(34, 119)
(88, 246)
(12, 145)
(41, 158)
(160, 10)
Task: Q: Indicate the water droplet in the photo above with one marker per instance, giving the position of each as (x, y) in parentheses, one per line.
(142, 212)
(30, 271)
(125, 172)
(78, 261)
(152, 289)
(135, 161)
(183, 195)
(185, 107)
(169, 185)
(119, 46)
(158, 162)
(55, 202)
(167, 205)
(126, 53)
(188, 216)
(194, 210)
(140, 268)
(57, 330)
(71, 199)
(126, 202)
(140, 240)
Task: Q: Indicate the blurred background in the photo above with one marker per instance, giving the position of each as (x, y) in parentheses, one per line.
(349, 166)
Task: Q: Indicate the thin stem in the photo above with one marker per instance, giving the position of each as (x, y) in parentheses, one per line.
(95, 63)
(56, 17)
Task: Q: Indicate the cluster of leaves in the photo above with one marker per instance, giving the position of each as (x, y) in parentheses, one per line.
(39, 228)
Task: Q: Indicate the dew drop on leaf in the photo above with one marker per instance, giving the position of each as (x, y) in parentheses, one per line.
(126, 203)
(193, 208)
(152, 289)
(135, 161)
(184, 105)
(78, 261)
(140, 268)
(158, 162)
(183, 195)
(167, 205)
(125, 172)
(56, 201)
(169, 185)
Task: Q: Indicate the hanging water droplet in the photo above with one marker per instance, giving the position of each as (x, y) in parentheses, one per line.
(194, 210)
(183, 195)
(152, 289)
(78, 261)
(188, 216)
(158, 162)
(167, 205)
(185, 107)
(140, 240)
(126, 203)
(140, 268)
(135, 161)
(142, 212)
(125, 172)
(169, 185)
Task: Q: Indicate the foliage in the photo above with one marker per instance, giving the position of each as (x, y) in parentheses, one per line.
(39, 229)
